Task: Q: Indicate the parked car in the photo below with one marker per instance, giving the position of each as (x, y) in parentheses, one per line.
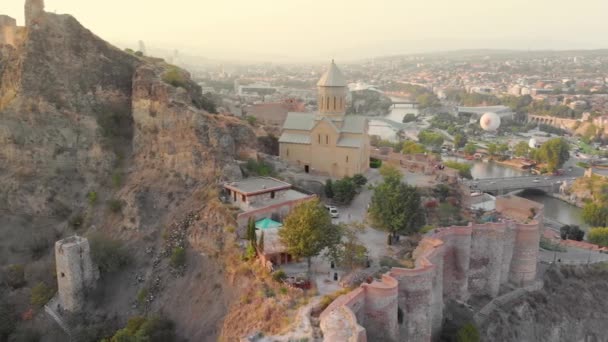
(333, 212)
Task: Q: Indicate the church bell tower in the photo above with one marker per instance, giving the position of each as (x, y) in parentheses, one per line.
(332, 90)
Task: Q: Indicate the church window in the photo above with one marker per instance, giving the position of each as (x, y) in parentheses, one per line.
(327, 139)
(243, 198)
(319, 138)
(341, 104)
(328, 103)
(288, 152)
(321, 102)
(347, 159)
(335, 103)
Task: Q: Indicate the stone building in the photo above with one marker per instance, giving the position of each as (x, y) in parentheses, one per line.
(76, 273)
(328, 141)
(34, 9)
(453, 263)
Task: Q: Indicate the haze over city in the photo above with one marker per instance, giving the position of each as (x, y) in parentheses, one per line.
(315, 30)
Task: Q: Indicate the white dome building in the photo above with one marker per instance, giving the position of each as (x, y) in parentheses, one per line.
(489, 122)
(532, 143)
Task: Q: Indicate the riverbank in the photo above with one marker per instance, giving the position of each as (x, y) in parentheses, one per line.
(517, 164)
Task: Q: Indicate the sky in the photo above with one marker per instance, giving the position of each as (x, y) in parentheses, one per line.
(317, 30)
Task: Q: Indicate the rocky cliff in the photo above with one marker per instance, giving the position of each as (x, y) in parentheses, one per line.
(83, 124)
(572, 306)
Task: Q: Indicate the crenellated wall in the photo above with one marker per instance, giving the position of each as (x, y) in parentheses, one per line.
(452, 263)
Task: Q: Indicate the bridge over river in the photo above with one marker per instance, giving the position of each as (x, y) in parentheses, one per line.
(500, 186)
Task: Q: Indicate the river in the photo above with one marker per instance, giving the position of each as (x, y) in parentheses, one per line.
(555, 209)
(385, 130)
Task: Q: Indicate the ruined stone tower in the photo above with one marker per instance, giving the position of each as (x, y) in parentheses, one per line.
(8, 27)
(33, 11)
(76, 273)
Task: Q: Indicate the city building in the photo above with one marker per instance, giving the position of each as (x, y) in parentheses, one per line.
(328, 141)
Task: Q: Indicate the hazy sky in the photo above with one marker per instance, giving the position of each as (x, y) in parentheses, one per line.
(321, 29)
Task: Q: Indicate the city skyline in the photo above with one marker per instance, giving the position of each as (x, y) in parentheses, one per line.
(316, 31)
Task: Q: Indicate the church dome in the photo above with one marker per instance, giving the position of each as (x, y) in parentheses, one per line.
(333, 77)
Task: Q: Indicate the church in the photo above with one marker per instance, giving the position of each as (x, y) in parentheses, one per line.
(327, 142)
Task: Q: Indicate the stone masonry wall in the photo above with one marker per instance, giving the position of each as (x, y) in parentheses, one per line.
(8, 30)
(76, 273)
(452, 263)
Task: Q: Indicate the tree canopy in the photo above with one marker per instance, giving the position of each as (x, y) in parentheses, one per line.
(430, 138)
(396, 206)
(554, 153)
(307, 230)
(411, 147)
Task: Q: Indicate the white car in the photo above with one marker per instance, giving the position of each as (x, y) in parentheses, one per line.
(333, 212)
(536, 181)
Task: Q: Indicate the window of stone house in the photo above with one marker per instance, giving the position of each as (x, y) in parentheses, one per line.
(243, 198)
(272, 194)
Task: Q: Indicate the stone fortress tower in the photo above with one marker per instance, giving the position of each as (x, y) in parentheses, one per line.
(76, 273)
(33, 11)
(8, 28)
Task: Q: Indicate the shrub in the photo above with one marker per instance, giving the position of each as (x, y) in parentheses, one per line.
(251, 120)
(115, 205)
(37, 247)
(283, 290)
(359, 180)
(329, 188)
(178, 257)
(175, 77)
(152, 329)
(375, 163)
(92, 197)
(279, 276)
(116, 180)
(259, 168)
(571, 232)
(76, 221)
(15, 276)
(464, 169)
(344, 190)
(426, 229)
(142, 295)
(598, 236)
(468, 333)
(41, 294)
(548, 245)
(108, 254)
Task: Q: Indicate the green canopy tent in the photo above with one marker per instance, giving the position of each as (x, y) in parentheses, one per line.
(267, 224)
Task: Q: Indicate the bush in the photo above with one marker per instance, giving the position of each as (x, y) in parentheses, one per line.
(426, 229)
(279, 276)
(359, 180)
(259, 168)
(76, 221)
(92, 197)
(464, 169)
(175, 77)
(252, 120)
(329, 188)
(142, 295)
(178, 257)
(41, 294)
(151, 329)
(548, 245)
(15, 276)
(108, 254)
(116, 180)
(375, 163)
(571, 232)
(598, 236)
(115, 205)
(468, 333)
(344, 190)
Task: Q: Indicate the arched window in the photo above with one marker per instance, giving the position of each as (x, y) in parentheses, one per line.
(328, 103)
(335, 102)
(321, 106)
(347, 159)
(327, 139)
(319, 138)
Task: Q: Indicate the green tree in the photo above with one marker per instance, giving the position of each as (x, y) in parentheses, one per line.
(411, 147)
(430, 138)
(261, 243)
(396, 207)
(502, 148)
(464, 169)
(329, 188)
(308, 230)
(595, 214)
(598, 236)
(251, 230)
(344, 190)
(492, 148)
(521, 149)
(554, 153)
(349, 253)
(390, 171)
(470, 149)
(178, 257)
(359, 180)
(460, 140)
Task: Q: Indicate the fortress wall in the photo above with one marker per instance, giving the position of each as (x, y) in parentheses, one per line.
(8, 30)
(381, 309)
(525, 254)
(485, 265)
(456, 256)
(341, 325)
(415, 298)
(507, 252)
(450, 263)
